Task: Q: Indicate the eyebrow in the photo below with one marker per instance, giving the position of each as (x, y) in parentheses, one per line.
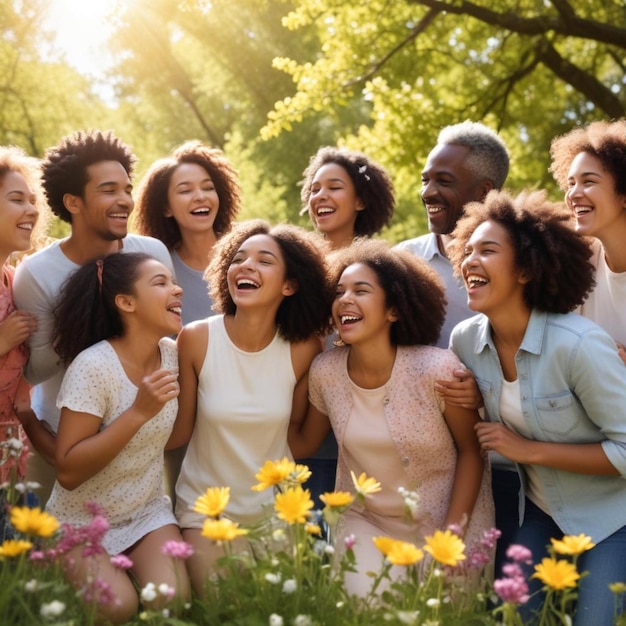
(240, 251)
(330, 180)
(161, 275)
(208, 179)
(112, 183)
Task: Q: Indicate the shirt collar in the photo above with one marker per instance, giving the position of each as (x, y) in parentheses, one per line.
(533, 337)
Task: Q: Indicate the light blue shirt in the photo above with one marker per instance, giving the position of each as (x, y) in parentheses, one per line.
(457, 310)
(572, 390)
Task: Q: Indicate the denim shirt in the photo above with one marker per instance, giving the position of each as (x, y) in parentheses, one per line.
(572, 390)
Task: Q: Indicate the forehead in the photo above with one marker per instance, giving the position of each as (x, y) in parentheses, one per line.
(359, 272)
(585, 162)
(490, 231)
(152, 267)
(331, 171)
(450, 158)
(14, 181)
(261, 243)
(188, 172)
(107, 171)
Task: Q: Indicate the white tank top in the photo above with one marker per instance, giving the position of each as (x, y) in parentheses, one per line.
(243, 412)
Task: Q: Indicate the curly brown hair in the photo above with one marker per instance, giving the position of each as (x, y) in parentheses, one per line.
(372, 185)
(152, 202)
(604, 140)
(412, 287)
(300, 315)
(547, 249)
(65, 165)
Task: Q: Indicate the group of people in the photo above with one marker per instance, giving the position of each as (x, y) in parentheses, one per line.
(451, 365)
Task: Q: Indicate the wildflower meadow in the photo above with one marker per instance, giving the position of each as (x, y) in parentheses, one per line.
(289, 571)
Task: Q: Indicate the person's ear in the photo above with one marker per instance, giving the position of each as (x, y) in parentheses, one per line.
(125, 303)
(392, 315)
(290, 287)
(72, 203)
(485, 187)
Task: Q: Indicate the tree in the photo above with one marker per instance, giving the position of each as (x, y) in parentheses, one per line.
(531, 69)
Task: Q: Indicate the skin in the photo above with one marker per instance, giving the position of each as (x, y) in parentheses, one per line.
(259, 261)
(100, 215)
(190, 193)
(490, 255)
(370, 363)
(151, 312)
(332, 189)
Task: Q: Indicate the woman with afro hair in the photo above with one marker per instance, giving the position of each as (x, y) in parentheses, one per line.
(553, 385)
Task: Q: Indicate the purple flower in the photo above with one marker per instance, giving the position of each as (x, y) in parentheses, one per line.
(511, 590)
(177, 549)
(519, 554)
(121, 561)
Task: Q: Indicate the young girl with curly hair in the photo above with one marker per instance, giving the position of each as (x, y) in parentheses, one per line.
(118, 404)
(553, 385)
(377, 392)
(243, 373)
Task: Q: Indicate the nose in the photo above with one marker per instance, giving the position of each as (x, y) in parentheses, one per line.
(346, 296)
(32, 210)
(125, 199)
(177, 290)
(428, 190)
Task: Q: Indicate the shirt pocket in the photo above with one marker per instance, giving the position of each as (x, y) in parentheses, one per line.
(558, 414)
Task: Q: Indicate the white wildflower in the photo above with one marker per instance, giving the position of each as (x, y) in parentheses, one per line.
(31, 585)
(149, 593)
(329, 550)
(408, 617)
(275, 620)
(52, 609)
(302, 620)
(289, 586)
(432, 602)
(273, 578)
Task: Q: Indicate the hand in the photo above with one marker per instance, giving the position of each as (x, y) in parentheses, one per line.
(15, 329)
(621, 350)
(463, 391)
(499, 438)
(154, 391)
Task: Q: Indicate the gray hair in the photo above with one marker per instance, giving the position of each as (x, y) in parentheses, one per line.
(488, 157)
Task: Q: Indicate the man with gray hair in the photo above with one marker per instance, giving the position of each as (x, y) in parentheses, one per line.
(468, 161)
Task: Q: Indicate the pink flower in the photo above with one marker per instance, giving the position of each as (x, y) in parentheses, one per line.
(350, 541)
(177, 549)
(121, 561)
(511, 590)
(519, 554)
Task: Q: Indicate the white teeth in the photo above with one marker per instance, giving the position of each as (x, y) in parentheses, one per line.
(580, 210)
(245, 281)
(349, 318)
(201, 211)
(174, 309)
(324, 210)
(122, 215)
(476, 281)
(25, 226)
(434, 209)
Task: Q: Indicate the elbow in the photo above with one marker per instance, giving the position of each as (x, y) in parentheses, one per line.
(67, 482)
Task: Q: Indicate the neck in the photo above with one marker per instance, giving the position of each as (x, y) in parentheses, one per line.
(81, 250)
(251, 330)
(442, 243)
(138, 352)
(195, 249)
(370, 366)
(509, 327)
(340, 239)
(615, 250)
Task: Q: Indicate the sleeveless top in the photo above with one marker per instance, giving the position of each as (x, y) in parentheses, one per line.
(242, 415)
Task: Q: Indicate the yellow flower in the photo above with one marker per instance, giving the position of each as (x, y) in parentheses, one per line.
(300, 473)
(33, 521)
(337, 499)
(293, 505)
(364, 485)
(222, 530)
(273, 473)
(383, 544)
(213, 502)
(556, 574)
(445, 547)
(312, 529)
(618, 587)
(404, 553)
(14, 547)
(572, 544)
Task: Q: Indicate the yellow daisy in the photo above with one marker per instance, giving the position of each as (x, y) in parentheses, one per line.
(404, 553)
(300, 473)
(14, 547)
(33, 521)
(222, 530)
(572, 544)
(364, 485)
(294, 505)
(313, 529)
(618, 587)
(445, 547)
(556, 574)
(383, 544)
(337, 499)
(273, 473)
(213, 502)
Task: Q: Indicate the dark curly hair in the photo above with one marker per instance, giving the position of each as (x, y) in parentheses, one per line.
(300, 315)
(65, 165)
(604, 140)
(547, 249)
(86, 312)
(412, 287)
(152, 196)
(371, 182)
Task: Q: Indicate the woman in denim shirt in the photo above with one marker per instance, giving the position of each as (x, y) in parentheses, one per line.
(553, 384)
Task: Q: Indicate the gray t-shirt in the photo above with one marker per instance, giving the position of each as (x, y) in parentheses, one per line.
(197, 305)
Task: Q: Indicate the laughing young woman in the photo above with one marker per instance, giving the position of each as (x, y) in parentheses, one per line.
(553, 385)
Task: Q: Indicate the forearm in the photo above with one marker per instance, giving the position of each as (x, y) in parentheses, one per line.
(585, 458)
(468, 477)
(41, 439)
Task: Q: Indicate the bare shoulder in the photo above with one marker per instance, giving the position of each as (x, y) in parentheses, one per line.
(303, 353)
(193, 339)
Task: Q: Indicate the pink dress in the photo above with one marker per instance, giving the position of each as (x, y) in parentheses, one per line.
(10, 375)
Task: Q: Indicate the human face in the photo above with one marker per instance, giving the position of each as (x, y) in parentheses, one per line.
(333, 203)
(156, 298)
(102, 212)
(18, 214)
(360, 311)
(448, 185)
(192, 199)
(591, 196)
(493, 281)
(256, 275)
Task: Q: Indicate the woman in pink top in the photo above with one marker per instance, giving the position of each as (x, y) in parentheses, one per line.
(378, 394)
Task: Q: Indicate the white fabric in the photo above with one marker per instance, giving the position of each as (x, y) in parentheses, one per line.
(130, 488)
(242, 416)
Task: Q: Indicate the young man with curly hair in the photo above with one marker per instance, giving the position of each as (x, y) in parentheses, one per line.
(87, 182)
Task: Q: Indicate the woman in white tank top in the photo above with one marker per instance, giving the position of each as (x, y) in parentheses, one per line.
(243, 374)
